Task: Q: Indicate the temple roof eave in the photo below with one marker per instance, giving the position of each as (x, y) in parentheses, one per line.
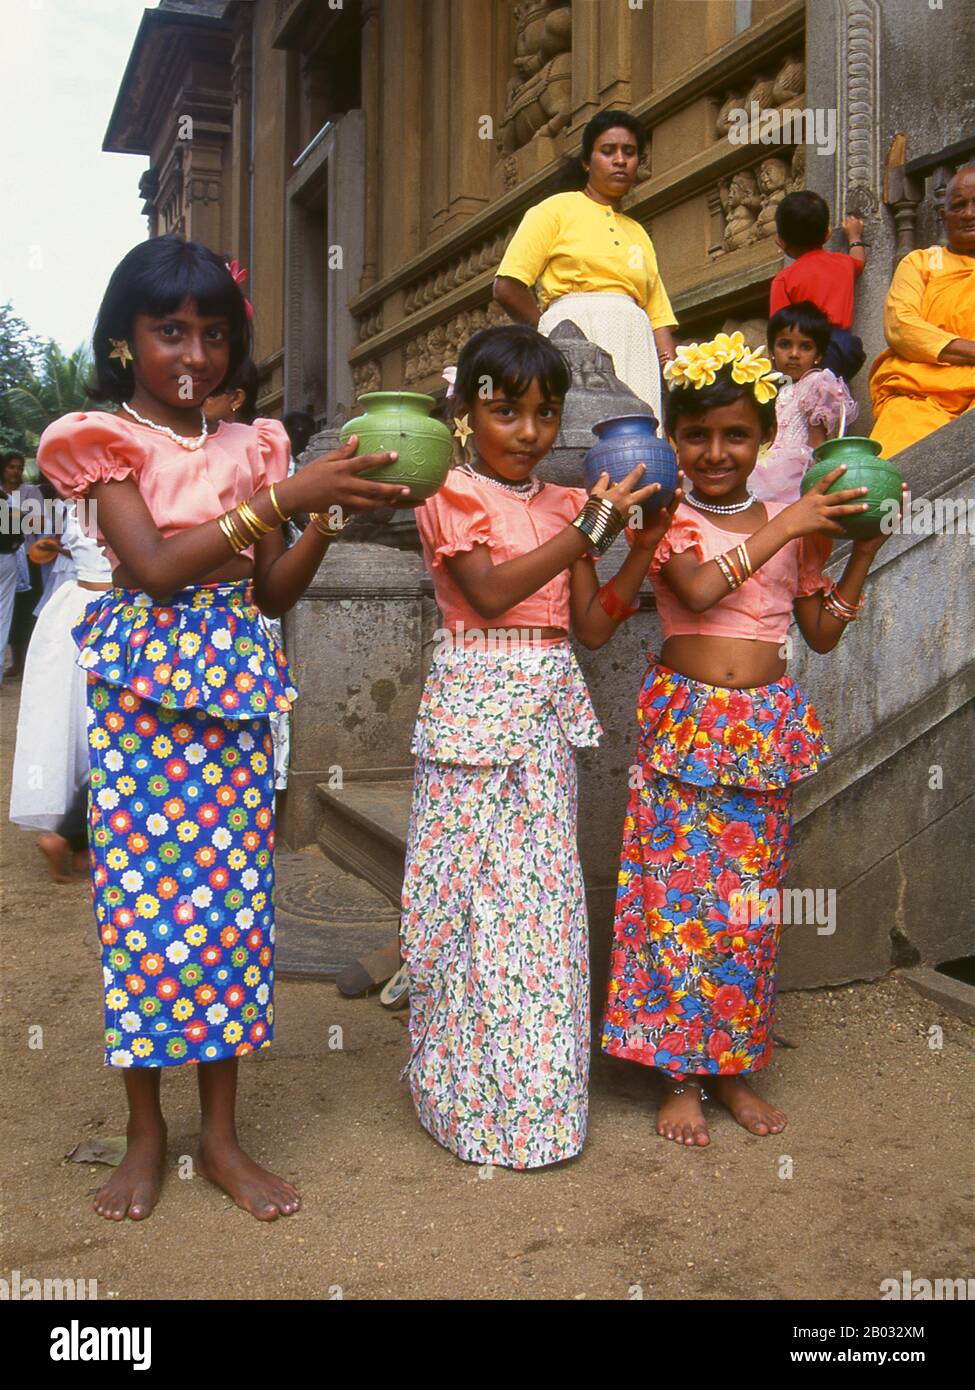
(137, 111)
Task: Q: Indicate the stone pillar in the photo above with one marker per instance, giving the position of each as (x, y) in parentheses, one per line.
(470, 96)
(371, 61)
(435, 140)
(242, 155)
(402, 69)
(356, 646)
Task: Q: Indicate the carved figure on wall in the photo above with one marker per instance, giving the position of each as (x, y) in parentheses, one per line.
(790, 81)
(798, 172)
(734, 101)
(773, 180)
(741, 201)
(539, 99)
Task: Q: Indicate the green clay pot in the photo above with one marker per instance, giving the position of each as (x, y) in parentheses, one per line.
(401, 420)
(864, 468)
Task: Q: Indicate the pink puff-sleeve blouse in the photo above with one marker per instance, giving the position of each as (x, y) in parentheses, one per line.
(469, 511)
(761, 609)
(180, 487)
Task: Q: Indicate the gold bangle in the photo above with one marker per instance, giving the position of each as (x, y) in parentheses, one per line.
(746, 564)
(252, 521)
(277, 510)
(327, 530)
(234, 540)
(726, 570)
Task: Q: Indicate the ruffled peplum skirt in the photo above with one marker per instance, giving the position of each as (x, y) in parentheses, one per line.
(181, 820)
(706, 844)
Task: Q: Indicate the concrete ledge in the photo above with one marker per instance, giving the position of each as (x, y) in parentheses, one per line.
(954, 996)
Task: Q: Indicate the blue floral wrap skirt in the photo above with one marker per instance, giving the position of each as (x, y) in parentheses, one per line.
(181, 820)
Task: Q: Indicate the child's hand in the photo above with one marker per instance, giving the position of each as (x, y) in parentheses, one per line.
(625, 495)
(657, 525)
(853, 226)
(869, 547)
(334, 481)
(819, 510)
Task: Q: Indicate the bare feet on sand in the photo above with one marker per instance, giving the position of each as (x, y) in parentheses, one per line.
(680, 1116)
(252, 1187)
(751, 1112)
(55, 851)
(133, 1189)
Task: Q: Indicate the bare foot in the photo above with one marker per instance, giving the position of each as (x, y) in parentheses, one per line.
(751, 1112)
(133, 1189)
(252, 1187)
(80, 863)
(54, 848)
(680, 1116)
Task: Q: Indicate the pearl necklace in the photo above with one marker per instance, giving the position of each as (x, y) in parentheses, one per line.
(526, 490)
(196, 442)
(719, 508)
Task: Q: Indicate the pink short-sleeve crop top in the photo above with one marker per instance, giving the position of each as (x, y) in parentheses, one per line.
(469, 511)
(181, 487)
(761, 610)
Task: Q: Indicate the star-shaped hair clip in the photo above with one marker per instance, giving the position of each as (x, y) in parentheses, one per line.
(462, 429)
(121, 350)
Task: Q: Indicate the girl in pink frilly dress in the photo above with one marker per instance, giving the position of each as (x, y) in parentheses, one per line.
(810, 405)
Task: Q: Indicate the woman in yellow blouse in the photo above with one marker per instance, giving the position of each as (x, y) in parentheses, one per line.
(926, 378)
(593, 264)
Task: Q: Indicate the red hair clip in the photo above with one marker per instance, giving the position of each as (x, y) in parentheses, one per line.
(239, 275)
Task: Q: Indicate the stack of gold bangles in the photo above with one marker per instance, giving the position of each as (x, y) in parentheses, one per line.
(838, 607)
(601, 522)
(242, 526)
(735, 565)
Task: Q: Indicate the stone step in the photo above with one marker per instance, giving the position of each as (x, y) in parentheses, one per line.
(326, 918)
(362, 828)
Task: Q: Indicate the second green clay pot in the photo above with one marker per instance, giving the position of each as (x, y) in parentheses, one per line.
(401, 420)
(864, 468)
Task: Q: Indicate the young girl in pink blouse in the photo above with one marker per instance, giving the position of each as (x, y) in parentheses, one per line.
(181, 681)
(810, 405)
(494, 928)
(724, 735)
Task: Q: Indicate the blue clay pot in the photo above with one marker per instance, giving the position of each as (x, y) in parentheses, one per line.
(623, 442)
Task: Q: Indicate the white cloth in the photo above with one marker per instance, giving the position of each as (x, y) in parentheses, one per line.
(8, 591)
(622, 329)
(85, 560)
(51, 756)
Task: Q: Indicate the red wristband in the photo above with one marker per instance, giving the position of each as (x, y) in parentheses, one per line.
(614, 605)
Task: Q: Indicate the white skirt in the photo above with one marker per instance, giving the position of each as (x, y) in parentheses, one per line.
(622, 329)
(51, 757)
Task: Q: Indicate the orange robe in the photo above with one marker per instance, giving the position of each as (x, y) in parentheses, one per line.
(931, 301)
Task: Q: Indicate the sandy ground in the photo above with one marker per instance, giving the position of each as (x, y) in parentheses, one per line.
(878, 1147)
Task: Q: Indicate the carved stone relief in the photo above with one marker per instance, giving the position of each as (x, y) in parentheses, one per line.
(428, 353)
(539, 96)
(769, 92)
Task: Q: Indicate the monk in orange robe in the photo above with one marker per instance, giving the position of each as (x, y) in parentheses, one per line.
(926, 378)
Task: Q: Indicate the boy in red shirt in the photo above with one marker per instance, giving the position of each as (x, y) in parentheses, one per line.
(825, 277)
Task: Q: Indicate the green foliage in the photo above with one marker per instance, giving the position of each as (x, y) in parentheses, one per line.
(20, 358)
(58, 387)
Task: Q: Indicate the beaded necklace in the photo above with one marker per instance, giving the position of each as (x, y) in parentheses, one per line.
(196, 442)
(527, 490)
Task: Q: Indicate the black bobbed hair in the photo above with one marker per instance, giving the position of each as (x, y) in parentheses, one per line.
(807, 317)
(155, 278)
(510, 358)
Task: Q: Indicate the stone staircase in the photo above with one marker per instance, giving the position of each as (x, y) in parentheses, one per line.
(885, 824)
(362, 828)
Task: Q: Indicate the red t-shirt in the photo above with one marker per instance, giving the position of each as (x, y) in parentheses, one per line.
(825, 277)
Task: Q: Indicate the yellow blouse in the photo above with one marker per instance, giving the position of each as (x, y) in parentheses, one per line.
(571, 244)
